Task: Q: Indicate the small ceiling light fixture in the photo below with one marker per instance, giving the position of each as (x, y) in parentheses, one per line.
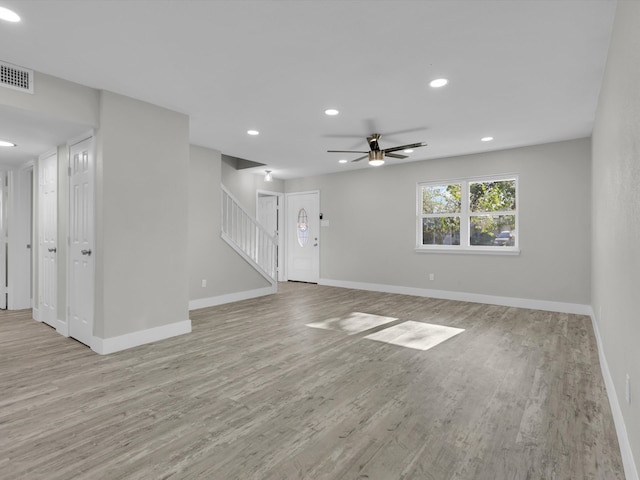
(9, 15)
(408, 150)
(438, 82)
(376, 158)
(486, 139)
(268, 177)
(4, 143)
(331, 112)
(253, 132)
(342, 160)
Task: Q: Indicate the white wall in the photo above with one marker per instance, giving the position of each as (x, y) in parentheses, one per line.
(56, 98)
(63, 100)
(372, 226)
(616, 220)
(142, 181)
(243, 185)
(210, 258)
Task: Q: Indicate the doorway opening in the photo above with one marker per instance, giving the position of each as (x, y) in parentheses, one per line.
(269, 214)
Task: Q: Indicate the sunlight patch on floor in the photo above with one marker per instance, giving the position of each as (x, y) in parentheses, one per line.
(417, 335)
(354, 322)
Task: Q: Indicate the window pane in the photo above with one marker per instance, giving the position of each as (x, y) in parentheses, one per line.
(441, 199)
(303, 227)
(441, 231)
(493, 230)
(492, 196)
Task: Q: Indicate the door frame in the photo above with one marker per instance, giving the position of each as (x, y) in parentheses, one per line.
(281, 238)
(287, 226)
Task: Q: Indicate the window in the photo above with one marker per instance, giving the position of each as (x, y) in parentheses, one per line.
(468, 215)
(303, 227)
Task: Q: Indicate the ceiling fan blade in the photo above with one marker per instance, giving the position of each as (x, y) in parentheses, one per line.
(360, 158)
(394, 155)
(405, 147)
(406, 130)
(346, 151)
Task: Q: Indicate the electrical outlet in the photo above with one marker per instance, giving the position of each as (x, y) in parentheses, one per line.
(204, 282)
(628, 388)
(432, 276)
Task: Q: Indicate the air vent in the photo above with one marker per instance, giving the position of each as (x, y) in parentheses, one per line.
(17, 78)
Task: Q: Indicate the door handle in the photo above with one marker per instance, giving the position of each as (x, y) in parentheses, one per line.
(315, 244)
(54, 249)
(85, 252)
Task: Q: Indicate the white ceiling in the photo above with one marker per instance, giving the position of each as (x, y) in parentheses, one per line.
(524, 72)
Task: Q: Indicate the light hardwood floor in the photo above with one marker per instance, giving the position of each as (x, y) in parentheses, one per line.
(253, 393)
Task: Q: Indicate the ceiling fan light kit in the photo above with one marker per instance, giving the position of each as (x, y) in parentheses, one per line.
(377, 155)
(376, 158)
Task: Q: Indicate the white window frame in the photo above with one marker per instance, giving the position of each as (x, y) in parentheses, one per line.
(465, 215)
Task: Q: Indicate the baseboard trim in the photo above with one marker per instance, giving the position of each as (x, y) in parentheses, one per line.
(35, 314)
(105, 346)
(630, 470)
(562, 307)
(231, 297)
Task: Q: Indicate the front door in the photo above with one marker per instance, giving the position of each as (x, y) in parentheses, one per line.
(48, 244)
(81, 279)
(303, 237)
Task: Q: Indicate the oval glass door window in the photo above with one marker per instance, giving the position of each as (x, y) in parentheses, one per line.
(303, 228)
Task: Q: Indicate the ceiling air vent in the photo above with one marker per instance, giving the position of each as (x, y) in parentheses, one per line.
(17, 78)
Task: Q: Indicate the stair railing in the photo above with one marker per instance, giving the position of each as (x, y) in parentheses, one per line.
(249, 238)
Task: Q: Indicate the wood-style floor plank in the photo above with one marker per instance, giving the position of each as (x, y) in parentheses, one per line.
(253, 393)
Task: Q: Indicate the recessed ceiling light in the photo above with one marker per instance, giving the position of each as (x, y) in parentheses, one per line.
(486, 139)
(9, 15)
(342, 160)
(331, 112)
(253, 132)
(438, 82)
(408, 150)
(4, 143)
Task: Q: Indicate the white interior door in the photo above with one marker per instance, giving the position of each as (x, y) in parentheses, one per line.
(303, 237)
(268, 215)
(3, 239)
(81, 263)
(20, 240)
(48, 234)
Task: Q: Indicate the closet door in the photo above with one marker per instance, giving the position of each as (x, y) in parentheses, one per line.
(48, 235)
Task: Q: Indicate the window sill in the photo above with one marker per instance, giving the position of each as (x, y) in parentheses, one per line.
(470, 251)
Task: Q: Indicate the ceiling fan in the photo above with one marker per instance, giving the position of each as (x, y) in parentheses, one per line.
(375, 154)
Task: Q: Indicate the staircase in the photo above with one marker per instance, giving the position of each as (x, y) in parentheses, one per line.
(249, 239)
